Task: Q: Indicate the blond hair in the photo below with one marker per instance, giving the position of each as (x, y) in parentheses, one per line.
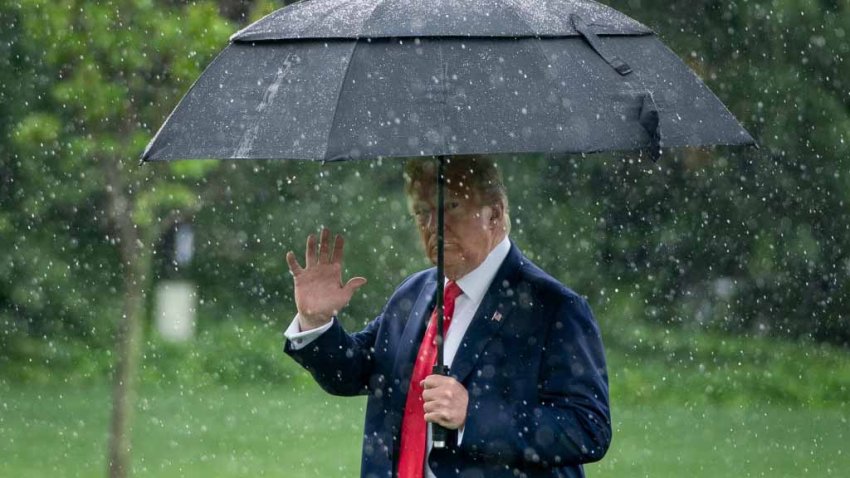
(475, 173)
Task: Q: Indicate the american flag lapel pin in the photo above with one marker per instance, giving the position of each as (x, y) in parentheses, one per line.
(497, 316)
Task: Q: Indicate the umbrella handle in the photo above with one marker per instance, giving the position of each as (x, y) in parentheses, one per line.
(439, 433)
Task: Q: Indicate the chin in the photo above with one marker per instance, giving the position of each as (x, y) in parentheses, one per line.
(449, 260)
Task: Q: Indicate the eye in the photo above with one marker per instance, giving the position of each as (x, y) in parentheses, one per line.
(452, 205)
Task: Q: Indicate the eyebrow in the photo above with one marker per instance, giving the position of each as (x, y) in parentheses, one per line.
(450, 194)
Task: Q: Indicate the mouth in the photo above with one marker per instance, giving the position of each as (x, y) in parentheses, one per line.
(432, 246)
(432, 242)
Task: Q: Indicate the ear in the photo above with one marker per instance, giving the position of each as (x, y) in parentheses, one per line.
(496, 212)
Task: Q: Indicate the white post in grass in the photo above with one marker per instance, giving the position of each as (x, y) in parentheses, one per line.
(175, 309)
(177, 299)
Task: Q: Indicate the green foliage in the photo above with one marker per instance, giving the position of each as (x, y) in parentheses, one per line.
(167, 196)
(648, 365)
(34, 361)
(100, 75)
(684, 365)
(774, 224)
(193, 169)
(221, 354)
(226, 353)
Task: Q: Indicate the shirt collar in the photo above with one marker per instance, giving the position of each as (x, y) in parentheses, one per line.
(475, 283)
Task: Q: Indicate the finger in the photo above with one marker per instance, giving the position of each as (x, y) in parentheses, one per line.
(432, 381)
(294, 266)
(354, 284)
(339, 243)
(324, 246)
(439, 418)
(429, 395)
(311, 257)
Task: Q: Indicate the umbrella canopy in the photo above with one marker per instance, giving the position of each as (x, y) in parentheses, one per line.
(349, 79)
(336, 80)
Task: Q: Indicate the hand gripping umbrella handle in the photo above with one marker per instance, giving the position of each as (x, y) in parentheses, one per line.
(439, 433)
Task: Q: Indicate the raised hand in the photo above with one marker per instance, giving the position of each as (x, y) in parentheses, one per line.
(319, 292)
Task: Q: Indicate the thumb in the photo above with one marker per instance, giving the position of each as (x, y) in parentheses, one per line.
(354, 283)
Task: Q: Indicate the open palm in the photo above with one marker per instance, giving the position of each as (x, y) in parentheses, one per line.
(319, 291)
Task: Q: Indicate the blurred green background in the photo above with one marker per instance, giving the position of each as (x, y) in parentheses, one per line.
(720, 278)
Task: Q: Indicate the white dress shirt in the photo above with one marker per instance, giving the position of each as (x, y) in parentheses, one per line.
(474, 285)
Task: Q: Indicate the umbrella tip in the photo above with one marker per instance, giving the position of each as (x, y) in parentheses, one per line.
(143, 158)
(146, 154)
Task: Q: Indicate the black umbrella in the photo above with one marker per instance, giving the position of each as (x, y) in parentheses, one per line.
(333, 80)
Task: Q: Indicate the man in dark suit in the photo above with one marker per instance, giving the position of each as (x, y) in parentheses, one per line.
(527, 393)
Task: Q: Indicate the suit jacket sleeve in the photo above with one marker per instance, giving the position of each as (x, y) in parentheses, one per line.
(341, 363)
(570, 423)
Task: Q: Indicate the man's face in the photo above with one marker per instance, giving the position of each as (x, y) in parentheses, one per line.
(470, 232)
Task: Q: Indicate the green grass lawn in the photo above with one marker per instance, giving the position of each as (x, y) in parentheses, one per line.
(296, 430)
(685, 403)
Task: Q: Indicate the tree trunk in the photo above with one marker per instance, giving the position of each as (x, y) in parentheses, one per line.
(136, 263)
(134, 247)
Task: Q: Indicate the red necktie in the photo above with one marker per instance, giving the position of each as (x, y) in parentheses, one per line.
(413, 426)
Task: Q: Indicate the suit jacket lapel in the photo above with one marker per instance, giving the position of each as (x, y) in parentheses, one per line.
(491, 315)
(412, 335)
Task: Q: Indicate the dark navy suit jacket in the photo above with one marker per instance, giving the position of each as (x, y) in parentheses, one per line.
(536, 377)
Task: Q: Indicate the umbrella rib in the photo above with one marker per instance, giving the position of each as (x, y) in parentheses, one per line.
(342, 83)
(519, 16)
(336, 102)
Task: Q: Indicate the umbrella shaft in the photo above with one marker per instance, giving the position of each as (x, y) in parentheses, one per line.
(440, 265)
(438, 433)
